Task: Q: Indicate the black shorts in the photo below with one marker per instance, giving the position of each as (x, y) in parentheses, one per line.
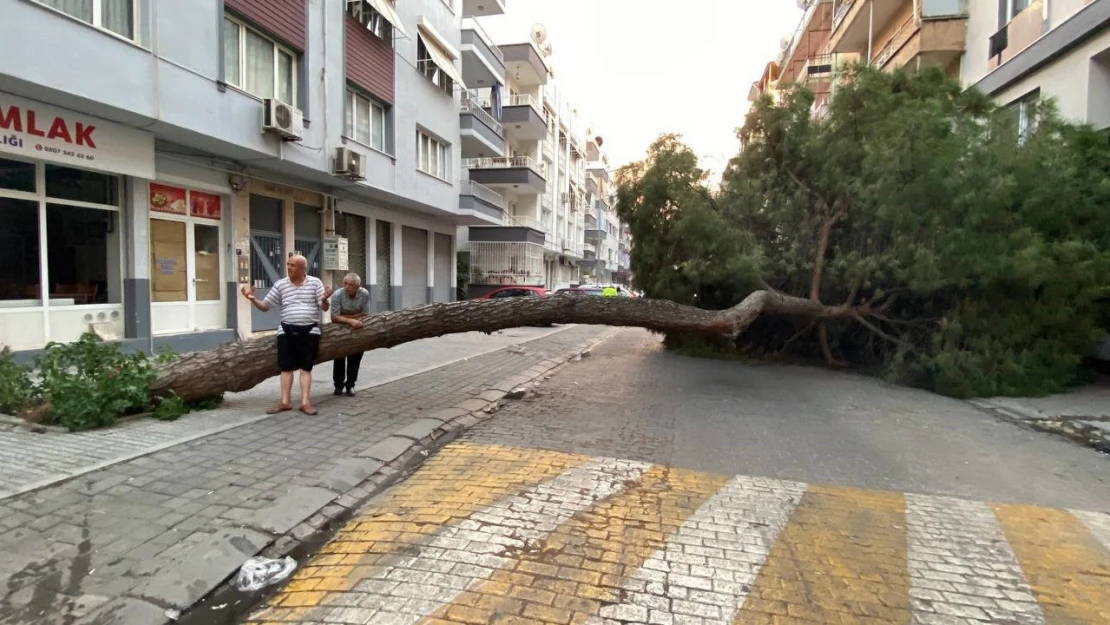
(297, 351)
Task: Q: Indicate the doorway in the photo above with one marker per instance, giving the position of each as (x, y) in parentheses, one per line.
(267, 256)
(185, 287)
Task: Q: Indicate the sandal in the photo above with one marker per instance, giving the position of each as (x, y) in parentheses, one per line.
(309, 410)
(278, 408)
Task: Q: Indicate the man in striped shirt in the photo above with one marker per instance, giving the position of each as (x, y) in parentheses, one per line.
(301, 298)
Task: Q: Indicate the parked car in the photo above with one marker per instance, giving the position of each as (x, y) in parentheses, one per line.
(515, 291)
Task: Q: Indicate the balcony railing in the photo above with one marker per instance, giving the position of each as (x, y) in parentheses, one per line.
(471, 103)
(904, 33)
(473, 24)
(820, 65)
(524, 221)
(505, 162)
(841, 11)
(524, 99)
(482, 192)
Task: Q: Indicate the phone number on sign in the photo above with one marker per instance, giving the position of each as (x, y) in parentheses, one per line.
(60, 151)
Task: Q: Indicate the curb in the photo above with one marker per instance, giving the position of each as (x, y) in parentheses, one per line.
(396, 456)
(1085, 431)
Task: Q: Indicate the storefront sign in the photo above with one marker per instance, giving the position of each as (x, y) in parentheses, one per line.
(34, 130)
(167, 199)
(335, 254)
(205, 205)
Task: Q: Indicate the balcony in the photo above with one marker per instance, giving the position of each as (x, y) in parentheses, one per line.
(896, 36)
(479, 133)
(483, 8)
(483, 203)
(520, 174)
(524, 221)
(522, 118)
(525, 61)
(497, 261)
(483, 65)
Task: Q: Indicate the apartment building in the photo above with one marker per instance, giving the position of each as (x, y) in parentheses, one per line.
(158, 155)
(1016, 51)
(534, 179)
(1019, 51)
(608, 241)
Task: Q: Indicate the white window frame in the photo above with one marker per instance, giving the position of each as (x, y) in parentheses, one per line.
(1026, 119)
(1010, 13)
(438, 156)
(369, 17)
(97, 20)
(373, 108)
(278, 50)
(427, 67)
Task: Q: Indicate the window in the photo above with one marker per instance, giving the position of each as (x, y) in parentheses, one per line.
(427, 66)
(1008, 10)
(1024, 111)
(432, 156)
(365, 121)
(117, 16)
(76, 213)
(371, 19)
(257, 65)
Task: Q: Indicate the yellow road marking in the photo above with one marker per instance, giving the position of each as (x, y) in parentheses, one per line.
(841, 556)
(460, 480)
(582, 562)
(1067, 567)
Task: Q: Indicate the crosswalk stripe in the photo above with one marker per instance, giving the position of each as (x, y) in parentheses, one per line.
(961, 565)
(1068, 568)
(404, 588)
(458, 482)
(702, 574)
(1097, 522)
(582, 561)
(843, 552)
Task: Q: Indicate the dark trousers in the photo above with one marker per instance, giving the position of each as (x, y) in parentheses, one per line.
(345, 370)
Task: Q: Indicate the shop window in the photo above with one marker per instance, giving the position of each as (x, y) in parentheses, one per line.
(19, 251)
(17, 175)
(65, 183)
(83, 255)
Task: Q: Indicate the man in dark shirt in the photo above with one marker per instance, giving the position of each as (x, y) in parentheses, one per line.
(349, 305)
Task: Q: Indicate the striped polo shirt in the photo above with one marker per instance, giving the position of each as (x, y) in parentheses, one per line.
(300, 305)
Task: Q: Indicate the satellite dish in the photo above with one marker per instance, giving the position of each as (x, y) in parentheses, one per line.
(785, 42)
(539, 33)
(804, 4)
(599, 141)
(547, 49)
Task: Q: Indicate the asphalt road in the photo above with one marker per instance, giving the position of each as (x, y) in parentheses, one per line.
(633, 400)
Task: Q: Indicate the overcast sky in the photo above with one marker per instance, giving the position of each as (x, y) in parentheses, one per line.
(639, 68)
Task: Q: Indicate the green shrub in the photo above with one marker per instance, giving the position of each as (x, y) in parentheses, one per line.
(15, 383)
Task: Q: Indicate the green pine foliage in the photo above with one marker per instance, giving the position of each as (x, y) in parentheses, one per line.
(978, 259)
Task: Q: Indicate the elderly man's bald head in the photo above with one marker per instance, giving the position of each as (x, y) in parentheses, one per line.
(296, 266)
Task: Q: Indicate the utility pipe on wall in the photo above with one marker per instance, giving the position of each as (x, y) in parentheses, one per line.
(870, 28)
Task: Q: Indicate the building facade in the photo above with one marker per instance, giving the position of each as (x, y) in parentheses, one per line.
(538, 178)
(170, 153)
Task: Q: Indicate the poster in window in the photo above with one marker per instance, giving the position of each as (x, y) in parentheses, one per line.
(167, 199)
(205, 205)
(168, 281)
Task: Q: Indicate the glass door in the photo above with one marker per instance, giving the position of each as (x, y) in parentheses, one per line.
(169, 276)
(208, 308)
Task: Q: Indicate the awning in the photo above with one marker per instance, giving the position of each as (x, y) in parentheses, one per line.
(440, 52)
(385, 7)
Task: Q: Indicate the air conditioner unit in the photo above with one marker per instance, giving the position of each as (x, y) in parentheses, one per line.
(349, 164)
(282, 119)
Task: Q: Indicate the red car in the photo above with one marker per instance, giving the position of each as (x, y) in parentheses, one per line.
(515, 291)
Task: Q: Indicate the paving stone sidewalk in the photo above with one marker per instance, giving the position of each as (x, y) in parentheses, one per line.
(1082, 415)
(137, 539)
(31, 460)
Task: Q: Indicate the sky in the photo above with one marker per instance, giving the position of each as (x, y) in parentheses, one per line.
(640, 68)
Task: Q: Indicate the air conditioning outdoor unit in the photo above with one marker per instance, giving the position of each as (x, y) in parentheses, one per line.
(282, 119)
(349, 164)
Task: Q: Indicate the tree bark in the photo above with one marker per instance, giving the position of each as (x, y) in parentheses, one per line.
(242, 365)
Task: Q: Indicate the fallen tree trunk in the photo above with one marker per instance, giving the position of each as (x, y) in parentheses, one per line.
(242, 365)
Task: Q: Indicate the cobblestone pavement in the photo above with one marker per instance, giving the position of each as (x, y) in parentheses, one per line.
(642, 487)
(491, 534)
(30, 460)
(125, 543)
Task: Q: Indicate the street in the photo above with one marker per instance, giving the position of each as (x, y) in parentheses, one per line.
(638, 486)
